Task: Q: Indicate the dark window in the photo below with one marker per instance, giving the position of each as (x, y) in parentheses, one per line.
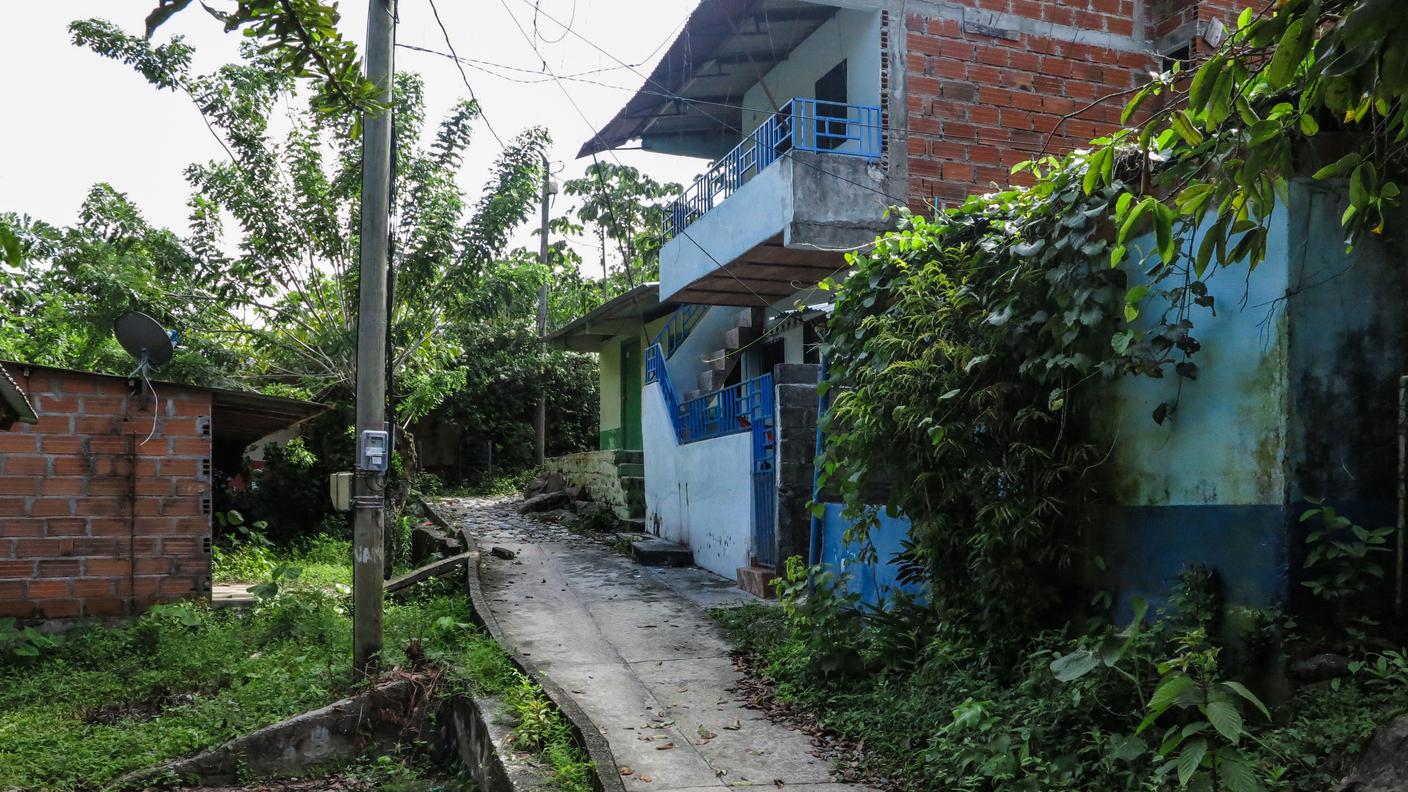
(831, 99)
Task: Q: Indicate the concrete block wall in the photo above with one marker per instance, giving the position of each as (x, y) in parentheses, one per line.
(795, 408)
(988, 82)
(605, 475)
(105, 502)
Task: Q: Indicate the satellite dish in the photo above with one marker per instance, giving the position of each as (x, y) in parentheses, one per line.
(145, 340)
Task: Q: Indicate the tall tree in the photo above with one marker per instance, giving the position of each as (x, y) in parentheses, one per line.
(293, 199)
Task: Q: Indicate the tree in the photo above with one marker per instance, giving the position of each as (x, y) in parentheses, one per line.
(59, 299)
(624, 209)
(294, 201)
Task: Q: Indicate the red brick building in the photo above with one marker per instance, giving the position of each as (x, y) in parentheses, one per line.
(105, 499)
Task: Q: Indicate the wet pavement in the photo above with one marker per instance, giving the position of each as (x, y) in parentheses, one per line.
(637, 650)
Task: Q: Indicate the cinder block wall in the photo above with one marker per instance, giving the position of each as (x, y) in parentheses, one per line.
(103, 510)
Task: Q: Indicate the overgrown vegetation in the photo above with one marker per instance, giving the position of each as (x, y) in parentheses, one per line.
(1197, 699)
(966, 356)
(183, 678)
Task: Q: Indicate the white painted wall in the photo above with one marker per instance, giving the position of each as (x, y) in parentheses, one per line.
(698, 494)
(703, 341)
(852, 36)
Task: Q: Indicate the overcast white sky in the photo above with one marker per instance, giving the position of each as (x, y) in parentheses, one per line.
(72, 119)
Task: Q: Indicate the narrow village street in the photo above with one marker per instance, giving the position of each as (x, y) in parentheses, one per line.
(637, 650)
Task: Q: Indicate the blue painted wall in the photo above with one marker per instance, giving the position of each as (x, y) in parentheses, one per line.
(1296, 397)
(874, 582)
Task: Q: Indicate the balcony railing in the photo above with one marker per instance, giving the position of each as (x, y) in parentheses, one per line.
(678, 327)
(731, 410)
(847, 130)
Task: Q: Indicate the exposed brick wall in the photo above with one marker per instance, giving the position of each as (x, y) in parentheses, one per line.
(97, 519)
(983, 97)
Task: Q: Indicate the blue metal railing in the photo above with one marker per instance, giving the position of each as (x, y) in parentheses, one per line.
(731, 410)
(848, 130)
(678, 327)
(745, 407)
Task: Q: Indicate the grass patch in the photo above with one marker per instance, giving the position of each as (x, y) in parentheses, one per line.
(325, 562)
(112, 700)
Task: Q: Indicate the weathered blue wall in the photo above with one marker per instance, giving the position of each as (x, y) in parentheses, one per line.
(875, 582)
(1296, 397)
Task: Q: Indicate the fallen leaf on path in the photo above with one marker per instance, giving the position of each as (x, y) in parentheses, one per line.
(625, 771)
(737, 724)
(777, 782)
(705, 733)
(665, 746)
(646, 779)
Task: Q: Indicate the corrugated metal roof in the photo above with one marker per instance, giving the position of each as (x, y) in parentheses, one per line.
(697, 89)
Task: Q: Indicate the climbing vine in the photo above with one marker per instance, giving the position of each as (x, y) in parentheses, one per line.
(963, 349)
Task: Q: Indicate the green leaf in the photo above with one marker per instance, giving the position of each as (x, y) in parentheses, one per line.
(1168, 692)
(1236, 775)
(1075, 665)
(1183, 125)
(1226, 719)
(1344, 165)
(1241, 690)
(1289, 53)
(1163, 232)
(1362, 184)
(1190, 759)
(1204, 81)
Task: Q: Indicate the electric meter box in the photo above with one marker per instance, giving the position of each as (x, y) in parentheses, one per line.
(374, 451)
(340, 490)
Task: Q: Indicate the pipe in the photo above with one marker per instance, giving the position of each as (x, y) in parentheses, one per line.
(1402, 495)
(823, 403)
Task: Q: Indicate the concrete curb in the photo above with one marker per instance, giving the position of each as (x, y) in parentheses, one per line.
(588, 734)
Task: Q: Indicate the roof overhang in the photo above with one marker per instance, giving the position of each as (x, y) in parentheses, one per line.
(237, 418)
(691, 103)
(623, 315)
(14, 405)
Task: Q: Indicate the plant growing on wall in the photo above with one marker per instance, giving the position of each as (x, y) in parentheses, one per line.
(962, 348)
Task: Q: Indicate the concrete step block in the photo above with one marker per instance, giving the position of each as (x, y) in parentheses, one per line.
(719, 360)
(631, 469)
(624, 457)
(751, 317)
(739, 337)
(757, 580)
(659, 552)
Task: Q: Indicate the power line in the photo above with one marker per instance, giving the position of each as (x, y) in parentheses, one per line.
(446, 34)
(566, 28)
(572, 101)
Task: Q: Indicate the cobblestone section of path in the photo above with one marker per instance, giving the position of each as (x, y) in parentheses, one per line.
(637, 650)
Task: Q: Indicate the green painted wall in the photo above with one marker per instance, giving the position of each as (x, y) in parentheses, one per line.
(609, 370)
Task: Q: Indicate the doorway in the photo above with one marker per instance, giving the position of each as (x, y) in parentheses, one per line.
(631, 436)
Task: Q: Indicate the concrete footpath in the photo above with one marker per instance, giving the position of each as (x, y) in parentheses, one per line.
(637, 650)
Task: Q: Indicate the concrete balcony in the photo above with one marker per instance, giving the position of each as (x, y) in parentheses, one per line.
(777, 214)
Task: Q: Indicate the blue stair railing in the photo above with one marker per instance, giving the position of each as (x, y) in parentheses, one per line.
(745, 407)
(678, 327)
(730, 410)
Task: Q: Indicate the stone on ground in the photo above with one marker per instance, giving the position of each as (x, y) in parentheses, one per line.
(544, 502)
(1384, 765)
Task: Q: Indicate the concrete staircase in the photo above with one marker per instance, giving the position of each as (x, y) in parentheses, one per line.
(747, 328)
(630, 469)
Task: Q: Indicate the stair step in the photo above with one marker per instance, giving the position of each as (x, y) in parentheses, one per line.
(659, 552)
(751, 317)
(633, 524)
(623, 457)
(719, 360)
(633, 484)
(631, 469)
(694, 394)
(739, 337)
(757, 580)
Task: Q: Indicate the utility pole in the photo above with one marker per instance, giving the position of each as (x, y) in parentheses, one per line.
(540, 421)
(369, 491)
